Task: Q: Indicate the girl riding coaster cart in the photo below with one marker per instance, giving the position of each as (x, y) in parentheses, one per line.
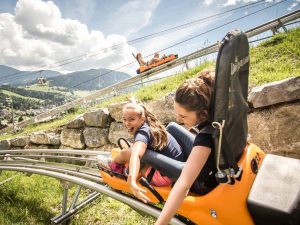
(240, 165)
(148, 133)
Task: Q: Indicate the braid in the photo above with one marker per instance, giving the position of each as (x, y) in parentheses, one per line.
(158, 130)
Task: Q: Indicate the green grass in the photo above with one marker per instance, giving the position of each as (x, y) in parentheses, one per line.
(28, 200)
(275, 59)
(12, 94)
(42, 126)
(109, 211)
(81, 93)
(161, 88)
(36, 199)
(45, 88)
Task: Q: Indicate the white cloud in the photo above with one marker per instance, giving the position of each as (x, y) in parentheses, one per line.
(208, 2)
(230, 2)
(292, 6)
(37, 35)
(135, 14)
(234, 2)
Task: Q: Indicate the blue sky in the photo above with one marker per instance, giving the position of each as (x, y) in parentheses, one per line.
(37, 34)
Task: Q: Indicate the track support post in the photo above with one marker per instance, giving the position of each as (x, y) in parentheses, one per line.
(66, 212)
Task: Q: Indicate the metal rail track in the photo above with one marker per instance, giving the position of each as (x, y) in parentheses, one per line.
(93, 178)
(43, 164)
(84, 176)
(271, 25)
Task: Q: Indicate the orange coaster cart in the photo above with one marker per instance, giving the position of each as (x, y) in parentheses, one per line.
(162, 61)
(254, 188)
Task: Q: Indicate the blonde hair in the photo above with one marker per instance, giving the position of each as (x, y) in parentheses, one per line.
(157, 129)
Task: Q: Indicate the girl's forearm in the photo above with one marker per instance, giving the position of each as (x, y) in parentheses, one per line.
(137, 151)
(191, 170)
(134, 167)
(173, 203)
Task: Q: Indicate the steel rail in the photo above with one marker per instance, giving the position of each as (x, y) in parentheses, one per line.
(53, 157)
(214, 48)
(94, 178)
(273, 24)
(24, 159)
(64, 166)
(55, 151)
(60, 219)
(134, 203)
(83, 172)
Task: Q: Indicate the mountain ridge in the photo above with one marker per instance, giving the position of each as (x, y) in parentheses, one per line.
(92, 79)
(12, 76)
(82, 80)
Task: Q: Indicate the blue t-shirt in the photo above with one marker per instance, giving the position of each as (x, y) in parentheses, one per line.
(172, 150)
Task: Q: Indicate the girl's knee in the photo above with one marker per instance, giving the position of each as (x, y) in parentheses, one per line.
(172, 126)
(125, 154)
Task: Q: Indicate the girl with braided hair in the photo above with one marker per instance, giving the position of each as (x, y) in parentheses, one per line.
(148, 133)
(192, 106)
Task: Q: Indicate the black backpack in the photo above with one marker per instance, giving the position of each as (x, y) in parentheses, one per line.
(229, 103)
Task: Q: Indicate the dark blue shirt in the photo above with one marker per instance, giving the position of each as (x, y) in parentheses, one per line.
(172, 150)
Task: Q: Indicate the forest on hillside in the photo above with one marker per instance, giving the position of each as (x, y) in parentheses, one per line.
(34, 99)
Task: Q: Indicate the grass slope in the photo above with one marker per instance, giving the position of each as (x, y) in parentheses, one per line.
(36, 199)
(275, 59)
(13, 94)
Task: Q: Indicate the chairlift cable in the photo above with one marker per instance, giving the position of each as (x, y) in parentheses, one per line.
(178, 43)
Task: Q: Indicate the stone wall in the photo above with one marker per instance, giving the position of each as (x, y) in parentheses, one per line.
(274, 123)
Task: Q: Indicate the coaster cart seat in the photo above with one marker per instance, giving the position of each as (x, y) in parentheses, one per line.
(245, 192)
